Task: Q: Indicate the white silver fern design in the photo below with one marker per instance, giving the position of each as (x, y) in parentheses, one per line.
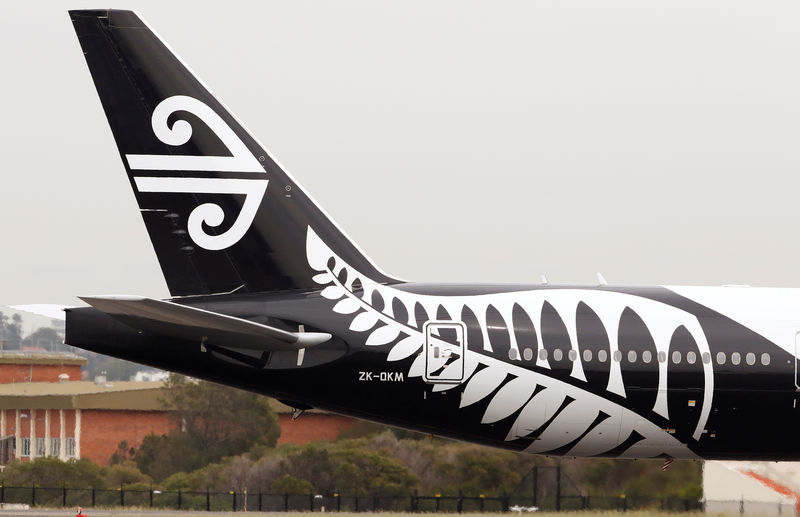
(558, 416)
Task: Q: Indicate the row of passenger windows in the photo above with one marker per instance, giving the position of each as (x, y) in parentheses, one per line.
(645, 357)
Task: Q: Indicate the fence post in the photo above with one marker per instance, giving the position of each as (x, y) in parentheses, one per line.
(558, 488)
(121, 496)
(286, 502)
(481, 499)
(259, 500)
(93, 497)
(311, 501)
(338, 501)
(460, 501)
(2, 493)
(208, 500)
(64, 494)
(506, 503)
(33, 495)
(180, 499)
(356, 503)
(233, 493)
(415, 501)
(151, 497)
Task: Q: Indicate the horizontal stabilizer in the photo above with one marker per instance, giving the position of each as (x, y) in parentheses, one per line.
(192, 324)
(49, 310)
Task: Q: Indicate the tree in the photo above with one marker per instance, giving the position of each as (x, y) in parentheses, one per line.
(211, 422)
(44, 337)
(11, 332)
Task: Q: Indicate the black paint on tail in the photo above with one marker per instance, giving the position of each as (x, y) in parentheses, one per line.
(221, 213)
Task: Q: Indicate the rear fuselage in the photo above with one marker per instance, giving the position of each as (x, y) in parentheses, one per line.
(578, 371)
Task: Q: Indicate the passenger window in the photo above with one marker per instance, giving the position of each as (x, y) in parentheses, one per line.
(587, 356)
(512, 354)
(662, 357)
(602, 356)
(527, 354)
(706, 357)
(558, 354)
(765, 359)
(631, 356)
(543, 354)
(750, 358)
(676, 357)
(617, 356)
(736, 358)
(573, 355)
(691, 357)
(647, 356)
(720, 357)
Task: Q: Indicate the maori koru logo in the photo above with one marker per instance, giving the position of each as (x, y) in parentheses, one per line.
(241, 160)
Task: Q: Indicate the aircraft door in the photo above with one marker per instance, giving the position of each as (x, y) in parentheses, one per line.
(445, 345)
(797, 361)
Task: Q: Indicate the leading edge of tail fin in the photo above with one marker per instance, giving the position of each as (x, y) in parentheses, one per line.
(221, 213)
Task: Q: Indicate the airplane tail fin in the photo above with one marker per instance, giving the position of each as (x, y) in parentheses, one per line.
(221, 213)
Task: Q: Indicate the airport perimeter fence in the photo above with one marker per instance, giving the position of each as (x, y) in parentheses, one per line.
(35, 496)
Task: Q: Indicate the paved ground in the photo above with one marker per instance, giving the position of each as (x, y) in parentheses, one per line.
(37, 512)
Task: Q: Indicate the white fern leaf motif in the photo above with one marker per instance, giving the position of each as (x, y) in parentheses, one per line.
(559, 402)
(383, 336)
(347, 306)
(406, 348)
(508, 398)
(364, 321)
(333, 292)
(481, 385)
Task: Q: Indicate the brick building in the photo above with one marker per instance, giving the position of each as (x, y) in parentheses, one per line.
(45, 411)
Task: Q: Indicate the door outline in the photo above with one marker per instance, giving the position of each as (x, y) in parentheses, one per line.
(797, 361)
(430, 348)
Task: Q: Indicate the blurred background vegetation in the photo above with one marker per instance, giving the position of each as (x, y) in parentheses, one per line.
(225, 439)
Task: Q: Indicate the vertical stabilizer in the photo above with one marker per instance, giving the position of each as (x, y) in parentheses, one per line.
(221, 213)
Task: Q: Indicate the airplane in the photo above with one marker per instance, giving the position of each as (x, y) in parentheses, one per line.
(269, 295)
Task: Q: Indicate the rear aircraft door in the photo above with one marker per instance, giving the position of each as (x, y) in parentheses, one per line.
(797, 360)
(445, 345)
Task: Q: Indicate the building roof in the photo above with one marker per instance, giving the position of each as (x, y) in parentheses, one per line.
(125, 395)
(117, 395)
(42, 358)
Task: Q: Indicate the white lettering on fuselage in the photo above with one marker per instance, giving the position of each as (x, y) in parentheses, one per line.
(380, 376)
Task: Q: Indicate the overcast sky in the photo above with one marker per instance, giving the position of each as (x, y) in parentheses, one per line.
(656, 142)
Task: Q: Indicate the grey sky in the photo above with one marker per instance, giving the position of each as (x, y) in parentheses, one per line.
(656, 142)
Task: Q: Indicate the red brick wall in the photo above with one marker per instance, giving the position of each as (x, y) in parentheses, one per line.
(312, 426)
(102, 430)
(41, 372)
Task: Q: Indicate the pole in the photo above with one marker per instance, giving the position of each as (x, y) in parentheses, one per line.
(558, 488)
(33, 495)
(121, 496)
(64, 495)
(208, 500)
(180, 499)
(285, 502)
(93, 497)
(233, 493)
(151, 497)
(259, 500)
